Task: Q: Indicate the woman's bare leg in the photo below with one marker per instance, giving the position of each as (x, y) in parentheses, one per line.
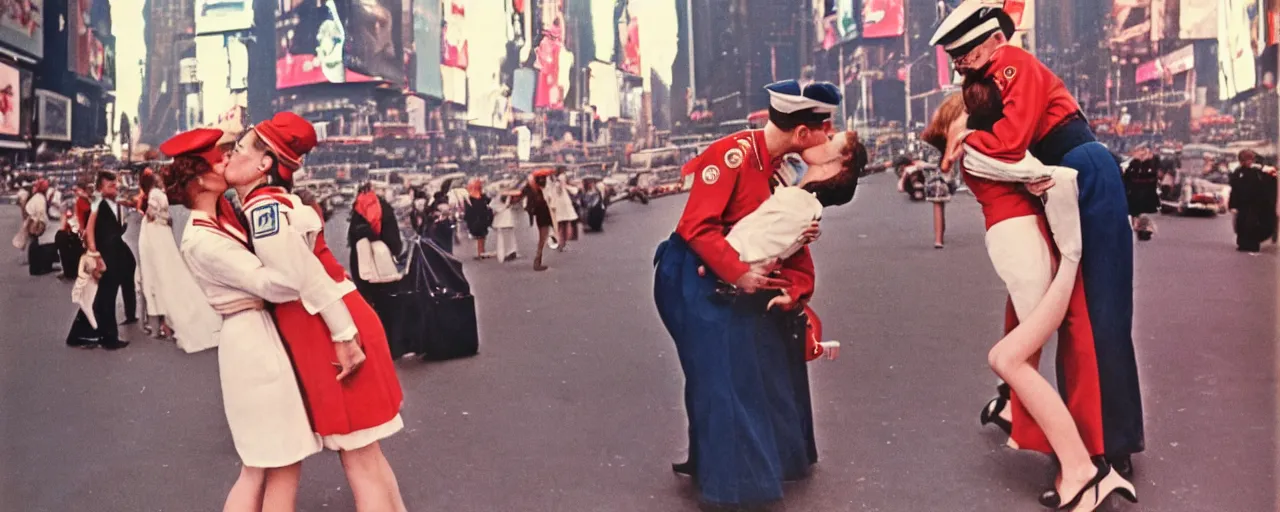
(281, 493)
(372, 482)
(939, 224)
(246, 493)
(543, 233)
(1010, 359)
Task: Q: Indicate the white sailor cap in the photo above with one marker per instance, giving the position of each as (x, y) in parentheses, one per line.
(970, 24)
(788, 97)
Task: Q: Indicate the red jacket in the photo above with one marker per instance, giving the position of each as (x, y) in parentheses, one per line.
(1035, 102)
(731, 180)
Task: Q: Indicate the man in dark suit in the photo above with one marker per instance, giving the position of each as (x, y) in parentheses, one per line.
(105, 242)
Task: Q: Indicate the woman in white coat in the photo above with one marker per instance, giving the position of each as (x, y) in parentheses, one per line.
(559, 198)
(165, 278)
(260, 393)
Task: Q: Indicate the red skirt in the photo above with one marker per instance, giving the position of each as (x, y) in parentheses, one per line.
(369, 397)
(1077, 372)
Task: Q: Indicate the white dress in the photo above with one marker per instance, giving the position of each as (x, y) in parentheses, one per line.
(558, 199)
(166, 281)
(260, 393)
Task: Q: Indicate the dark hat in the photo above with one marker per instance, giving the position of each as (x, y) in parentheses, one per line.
(970, 24)
(201, 143)
(789, 97)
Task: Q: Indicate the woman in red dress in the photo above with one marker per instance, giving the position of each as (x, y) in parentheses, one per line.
(335, 339)
(1046, 294)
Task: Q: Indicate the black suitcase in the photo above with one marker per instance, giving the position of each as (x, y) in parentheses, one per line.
(451, 332)
(439, 313)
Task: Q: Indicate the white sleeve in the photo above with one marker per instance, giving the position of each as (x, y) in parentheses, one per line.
(158, 206)
(1062, 210)
(282, 248)
(1028, 170)
(232, 265)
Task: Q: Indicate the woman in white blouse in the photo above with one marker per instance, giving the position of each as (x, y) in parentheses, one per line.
(165, 278)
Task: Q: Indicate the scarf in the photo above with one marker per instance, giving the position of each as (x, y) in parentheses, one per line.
(367, 206)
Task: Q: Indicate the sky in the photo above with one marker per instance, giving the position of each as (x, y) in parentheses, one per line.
(130, 48)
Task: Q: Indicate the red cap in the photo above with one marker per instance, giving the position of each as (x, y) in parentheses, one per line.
(200, 143)
(290, 137)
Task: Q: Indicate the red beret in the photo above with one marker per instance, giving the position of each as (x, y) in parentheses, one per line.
(200, 143)
(290, 137)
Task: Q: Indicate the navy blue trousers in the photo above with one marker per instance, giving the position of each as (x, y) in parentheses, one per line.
(1107, 269)
(746, 384)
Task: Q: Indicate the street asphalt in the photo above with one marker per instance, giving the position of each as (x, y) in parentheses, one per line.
(574, 403)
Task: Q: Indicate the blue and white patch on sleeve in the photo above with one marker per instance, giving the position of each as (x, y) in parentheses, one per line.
(264, 220)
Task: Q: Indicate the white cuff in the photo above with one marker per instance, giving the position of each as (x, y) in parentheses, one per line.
(338, 318)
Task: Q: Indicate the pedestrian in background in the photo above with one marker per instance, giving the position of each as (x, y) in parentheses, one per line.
(1141, 185)
(559, 199)
(40, 248)
(937, 190)
(504, 206)
(478, 217)
(535, 203)
(1253, 203)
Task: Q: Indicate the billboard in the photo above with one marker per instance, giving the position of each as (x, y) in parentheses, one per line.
(54, 113)
(314, 46)
(453, 45)
(375, 45)
(603, 86)
(882, 18)
(1237, 72)
(1131, 27)
(523, 84)
(10, 100)
(1198, 19)
(22, 26)
(90, 46)
(1023, 13)
(487, 96)
(554, 62)
(214, 16)
(427, 22)
(846, 20)
(629, 40)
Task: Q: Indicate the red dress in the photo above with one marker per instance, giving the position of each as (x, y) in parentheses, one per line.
(1002, 201)
(369, 398)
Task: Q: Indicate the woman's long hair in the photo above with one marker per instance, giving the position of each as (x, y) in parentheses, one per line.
(951, 109)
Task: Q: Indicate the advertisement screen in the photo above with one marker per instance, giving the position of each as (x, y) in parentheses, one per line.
(1236, 66)
(1147, 72)
(10, 100)
(603, 26)
(90, 47)
(882, 18)
(375, 46)
(453, 46)
(554, 62)
(313, 45)
(847, 27)
(523, 84)
(54, 112)
(455, 84)
(629, 40)
(22, 26)
(214, 16)
(427, 22)
(1197, 20)
(603, 87)
(487, 98)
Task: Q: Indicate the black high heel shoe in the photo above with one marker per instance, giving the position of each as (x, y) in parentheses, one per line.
(1003, 391)
(991, 414)
(1100, 487)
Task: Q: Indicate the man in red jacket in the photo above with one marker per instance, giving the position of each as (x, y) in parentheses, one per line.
(738, 328)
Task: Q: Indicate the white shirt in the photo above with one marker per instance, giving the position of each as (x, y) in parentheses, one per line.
(774, 229)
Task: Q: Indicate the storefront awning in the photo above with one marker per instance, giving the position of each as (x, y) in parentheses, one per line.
(14, 144)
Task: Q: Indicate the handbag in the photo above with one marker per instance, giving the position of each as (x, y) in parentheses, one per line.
(36, 227)
(377, 265)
